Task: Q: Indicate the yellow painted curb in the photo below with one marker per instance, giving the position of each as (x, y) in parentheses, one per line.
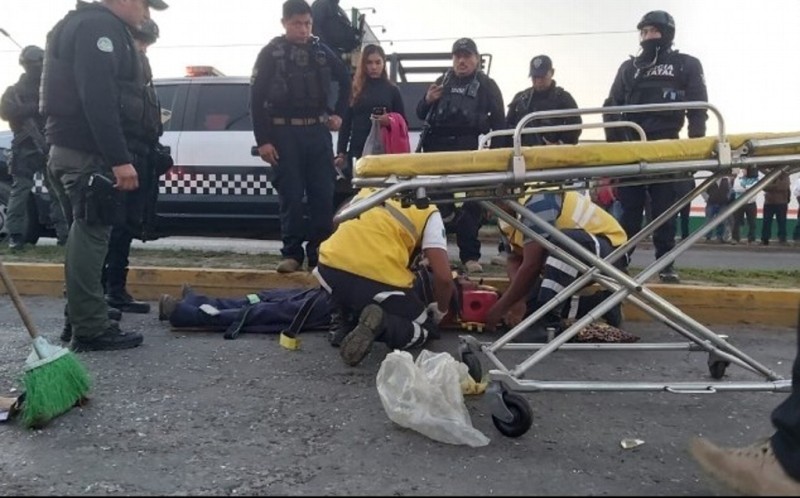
(708, 305)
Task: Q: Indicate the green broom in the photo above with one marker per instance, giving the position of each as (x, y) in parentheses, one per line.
(54, 378)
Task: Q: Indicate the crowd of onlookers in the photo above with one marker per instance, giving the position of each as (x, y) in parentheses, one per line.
(741, 227)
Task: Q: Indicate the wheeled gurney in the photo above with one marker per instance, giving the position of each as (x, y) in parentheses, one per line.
(493, 175)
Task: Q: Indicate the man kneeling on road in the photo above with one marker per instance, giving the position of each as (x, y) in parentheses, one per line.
(577, 217)
(364, 265)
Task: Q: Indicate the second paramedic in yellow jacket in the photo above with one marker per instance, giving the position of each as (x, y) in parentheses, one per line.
(577, 217)
(364, 265)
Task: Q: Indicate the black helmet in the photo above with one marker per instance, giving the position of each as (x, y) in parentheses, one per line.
(31, 55)
(662, 20)
(147, 32)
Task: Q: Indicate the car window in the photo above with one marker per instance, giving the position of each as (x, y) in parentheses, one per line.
(166, 97)
(222, 108)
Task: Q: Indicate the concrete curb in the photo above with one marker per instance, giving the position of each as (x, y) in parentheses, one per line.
(708, 305)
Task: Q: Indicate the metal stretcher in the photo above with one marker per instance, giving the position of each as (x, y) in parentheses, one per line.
(492, 175)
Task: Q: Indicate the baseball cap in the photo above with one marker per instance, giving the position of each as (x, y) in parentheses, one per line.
(157, 4)
(540, 65)
(465, 45)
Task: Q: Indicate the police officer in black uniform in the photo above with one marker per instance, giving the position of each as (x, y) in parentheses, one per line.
(658, 74)
(20, 107)
(460, 106)
(94, 98)
(292, 125)
(543, 95)
(144, 149)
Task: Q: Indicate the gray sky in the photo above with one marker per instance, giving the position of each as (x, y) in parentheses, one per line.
(749, 55)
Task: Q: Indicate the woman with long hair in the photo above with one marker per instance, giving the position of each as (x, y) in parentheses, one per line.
(373, 95)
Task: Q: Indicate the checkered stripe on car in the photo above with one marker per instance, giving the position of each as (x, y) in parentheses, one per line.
(216, 184)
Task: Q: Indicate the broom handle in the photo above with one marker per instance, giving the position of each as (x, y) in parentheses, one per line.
(23, 311)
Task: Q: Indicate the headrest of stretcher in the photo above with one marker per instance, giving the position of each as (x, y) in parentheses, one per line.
(558, 156)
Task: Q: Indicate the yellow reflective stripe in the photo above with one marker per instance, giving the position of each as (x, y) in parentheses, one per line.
(402, 219)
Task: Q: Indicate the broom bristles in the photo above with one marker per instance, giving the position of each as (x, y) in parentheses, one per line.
(53, 388)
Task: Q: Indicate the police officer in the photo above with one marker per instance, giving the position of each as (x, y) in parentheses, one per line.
(460, 106)
(93, 97)
(115, 269)
(292, 125)
(364, 265)
(20, 107)
(543, 95)
(658, 74)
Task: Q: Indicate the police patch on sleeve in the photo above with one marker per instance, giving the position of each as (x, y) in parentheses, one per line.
(104, 44)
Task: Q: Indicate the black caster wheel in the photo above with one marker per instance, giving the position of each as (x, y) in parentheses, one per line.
(521, 411)
(473, 365)
(717, 368)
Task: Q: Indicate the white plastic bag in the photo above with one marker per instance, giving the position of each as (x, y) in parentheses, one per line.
(426, 396)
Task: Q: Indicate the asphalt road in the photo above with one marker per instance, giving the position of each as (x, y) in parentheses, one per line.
(191, 413)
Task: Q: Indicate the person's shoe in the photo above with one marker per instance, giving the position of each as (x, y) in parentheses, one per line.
(186, 290)
(61, 242)
(358, 342)
(764, 243)
(126, 303)
(288, 265)
(669, 276)
(752, 470)
(111, 339)
(473, 266)
(16, 242)
(341, 325)
(614, 316)
(66, 332)
(166, 306)
(500, 259)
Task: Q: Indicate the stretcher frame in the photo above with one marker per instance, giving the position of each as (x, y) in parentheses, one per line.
(511, 412)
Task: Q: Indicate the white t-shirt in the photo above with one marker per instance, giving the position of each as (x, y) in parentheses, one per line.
(434, 236)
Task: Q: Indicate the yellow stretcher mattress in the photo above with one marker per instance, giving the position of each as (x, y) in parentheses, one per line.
(558, 156)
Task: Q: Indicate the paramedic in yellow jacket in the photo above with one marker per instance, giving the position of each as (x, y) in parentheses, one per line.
(364, 265)
(577, 217)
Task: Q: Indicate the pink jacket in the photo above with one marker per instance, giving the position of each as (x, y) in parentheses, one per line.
(395, 136)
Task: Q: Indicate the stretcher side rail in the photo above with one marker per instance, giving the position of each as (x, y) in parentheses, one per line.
(564, 127)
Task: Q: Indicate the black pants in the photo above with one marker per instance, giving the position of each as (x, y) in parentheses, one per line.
(406, 322)
(749, 211)
(115, 268)
(468, 219)
(683, 217)
(778, 211)
(786, 419)
(558, 274)
(662, 197)
(304, 172)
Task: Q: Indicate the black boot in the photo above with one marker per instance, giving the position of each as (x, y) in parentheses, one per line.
(342, 322)
(66, 332)
(16, 242)
(118, 297)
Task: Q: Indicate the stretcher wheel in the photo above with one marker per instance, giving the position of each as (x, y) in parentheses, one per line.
(473, 365)
(523, 417)
(717, 368)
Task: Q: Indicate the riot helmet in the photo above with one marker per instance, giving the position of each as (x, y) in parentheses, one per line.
(31, 56)
(663, 21)
(147, 33)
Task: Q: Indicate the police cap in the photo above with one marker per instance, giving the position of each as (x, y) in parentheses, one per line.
(31, 55)
(465, 45)
(157, 4)
(540, 66)
(661, 20)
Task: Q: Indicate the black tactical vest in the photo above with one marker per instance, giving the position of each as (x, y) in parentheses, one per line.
(59, 95)
(662, 83)
(300, 83)
(459, 105)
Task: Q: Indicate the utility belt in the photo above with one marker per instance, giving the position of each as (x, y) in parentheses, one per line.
(300, 121)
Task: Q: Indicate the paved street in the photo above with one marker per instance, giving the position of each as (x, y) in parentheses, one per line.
(191, 413)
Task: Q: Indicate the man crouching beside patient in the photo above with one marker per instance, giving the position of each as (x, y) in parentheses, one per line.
(365, 264)
(577, 217)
